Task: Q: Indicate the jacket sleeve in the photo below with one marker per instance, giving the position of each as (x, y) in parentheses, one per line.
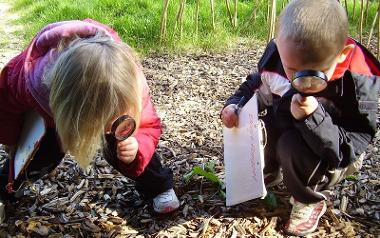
(338, 144)
(246, 89)
(147, 135)
(11, 104)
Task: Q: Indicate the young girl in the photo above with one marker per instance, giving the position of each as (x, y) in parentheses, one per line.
(80, 78)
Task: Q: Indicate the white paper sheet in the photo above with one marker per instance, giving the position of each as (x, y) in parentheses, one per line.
(32, 132)
(244, 157)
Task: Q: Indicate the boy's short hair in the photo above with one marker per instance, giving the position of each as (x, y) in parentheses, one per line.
(318, 27)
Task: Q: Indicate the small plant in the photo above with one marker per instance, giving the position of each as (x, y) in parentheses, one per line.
(208, 172)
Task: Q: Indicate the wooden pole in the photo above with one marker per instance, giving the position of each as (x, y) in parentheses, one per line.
(273, 17)
(268, 12)
(272, 21)
(229, 12)
(378, 32)
(183, 6)
(371, 31)
(353, 10)
(366, 12)
(345, 4)
(236, 14)
(212, 13)
(164, 17)
(361, 20)
(197, 17)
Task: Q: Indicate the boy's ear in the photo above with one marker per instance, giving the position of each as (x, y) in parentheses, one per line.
(345, 52)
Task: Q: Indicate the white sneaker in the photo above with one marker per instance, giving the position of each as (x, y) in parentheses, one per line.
(166, 202)
(273, 179)
(304, 218)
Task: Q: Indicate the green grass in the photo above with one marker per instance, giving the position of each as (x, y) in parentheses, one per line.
(138, 21)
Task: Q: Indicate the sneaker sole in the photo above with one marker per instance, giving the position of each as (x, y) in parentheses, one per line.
(168, 209)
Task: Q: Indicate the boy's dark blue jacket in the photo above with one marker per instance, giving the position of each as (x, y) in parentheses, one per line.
(345, 121)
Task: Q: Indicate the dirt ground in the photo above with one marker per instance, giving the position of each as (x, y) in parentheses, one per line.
(189, 92)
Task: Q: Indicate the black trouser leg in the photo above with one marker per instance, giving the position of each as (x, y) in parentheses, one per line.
(155, 179)
(272, 135)
(304, 172)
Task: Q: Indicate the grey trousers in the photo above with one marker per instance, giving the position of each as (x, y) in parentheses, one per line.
(308, 178)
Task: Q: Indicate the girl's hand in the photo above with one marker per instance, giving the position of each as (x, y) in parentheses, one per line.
(229, 116)
(127, 149)
(301, 107)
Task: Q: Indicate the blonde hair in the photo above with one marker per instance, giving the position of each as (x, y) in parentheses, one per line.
(93, 81)
(318, 27)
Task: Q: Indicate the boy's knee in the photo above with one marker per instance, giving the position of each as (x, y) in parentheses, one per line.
(289, 144)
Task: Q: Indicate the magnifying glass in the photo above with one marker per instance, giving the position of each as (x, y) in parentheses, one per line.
(309, 82)
(123, 127)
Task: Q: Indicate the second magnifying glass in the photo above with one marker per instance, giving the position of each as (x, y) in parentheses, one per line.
(123, 127)
(309, 82)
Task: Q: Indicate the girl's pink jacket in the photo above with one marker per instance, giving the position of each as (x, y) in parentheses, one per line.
(21, 89)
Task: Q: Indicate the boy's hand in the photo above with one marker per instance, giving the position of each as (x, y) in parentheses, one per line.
(301, 107)
(127, 149)
(229, 116)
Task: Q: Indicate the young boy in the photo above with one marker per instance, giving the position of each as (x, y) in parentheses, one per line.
(317, 140)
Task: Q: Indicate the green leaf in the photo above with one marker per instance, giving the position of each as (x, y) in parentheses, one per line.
(351, 178)
(187, 177)
(210, 167)
(206, 173)
(209, 176)
(271, 201)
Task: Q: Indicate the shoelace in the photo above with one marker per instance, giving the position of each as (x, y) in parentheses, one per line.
(300, 210)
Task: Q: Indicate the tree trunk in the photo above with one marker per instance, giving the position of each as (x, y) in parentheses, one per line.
(353, 10)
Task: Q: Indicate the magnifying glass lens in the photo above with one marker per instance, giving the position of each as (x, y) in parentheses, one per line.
(123, 127)
(309, 82)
